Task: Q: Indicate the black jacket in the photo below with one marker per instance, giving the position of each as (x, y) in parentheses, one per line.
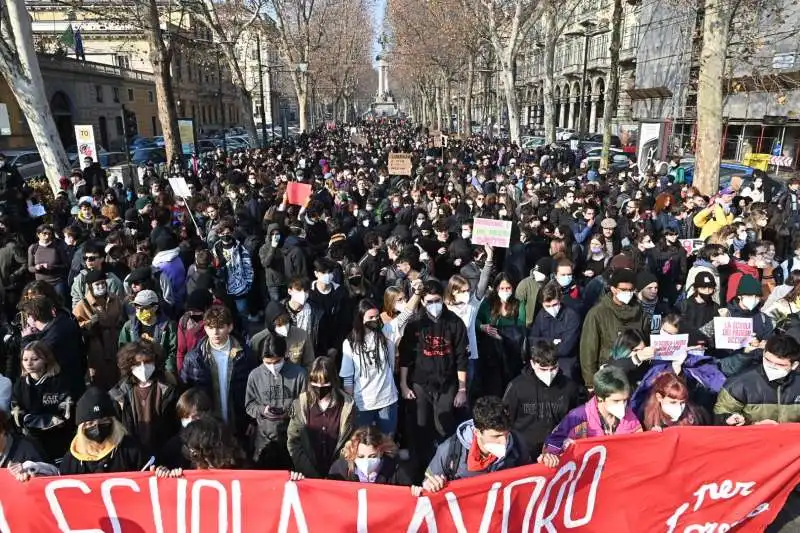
(536, 408)
(63, 336)
(45, 412)
(164, 422)
(126, 457)
(391, 472)
(566, 327)
(18, 450)
(435, 350)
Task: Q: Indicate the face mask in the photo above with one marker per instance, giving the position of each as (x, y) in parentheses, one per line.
(504, 295)
(227, 240)
(434, 309)
(374, 325)
(545, 376)
(564, 281)
(146, 316)
(186, 421)
(274, 368)
(597, 249)
(283, 331)
(99, 290)
(420, 221)
(625, 296)
(553, 311)
(750, 302)
(462, 298)
(466, 234)
(299, 297)
(276, 240)
(365, 222)
(673, 410)
(100, 432)
(326, 278)
(774, 373)
(538, 276)
(498, 450)
(400, 307)
(324, 391)
(616, 409)
(142, 372)
(368, 465)
(724, 259)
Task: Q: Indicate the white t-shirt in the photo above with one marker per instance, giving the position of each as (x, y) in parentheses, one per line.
(468, 312)
(221, 358)
(373, 385)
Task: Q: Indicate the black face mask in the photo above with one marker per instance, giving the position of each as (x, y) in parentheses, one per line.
(374, 325)
(324, 391)
(356, 280)
(227, 240)
(100, 432)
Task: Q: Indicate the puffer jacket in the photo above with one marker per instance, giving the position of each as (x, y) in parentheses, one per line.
(752, 395)
(272, 259)
(600, 330)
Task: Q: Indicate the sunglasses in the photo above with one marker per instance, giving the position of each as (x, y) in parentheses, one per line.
(91, 257)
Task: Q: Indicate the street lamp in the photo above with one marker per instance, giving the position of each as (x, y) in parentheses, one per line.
(302, 68)
(586, 33)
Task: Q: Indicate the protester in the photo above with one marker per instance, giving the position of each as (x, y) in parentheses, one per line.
(151, 324)
(669, 405)
(370, 457)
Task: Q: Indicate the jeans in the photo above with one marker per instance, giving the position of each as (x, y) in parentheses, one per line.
(62, 290)
(241, 305)
(385, 419)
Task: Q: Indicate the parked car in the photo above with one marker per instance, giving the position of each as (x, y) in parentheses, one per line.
(531, 142)
(28, 162)
(772, 185)
(617, 159)
(141, 156)
(107, 159)
(564, 134)
(159, 141)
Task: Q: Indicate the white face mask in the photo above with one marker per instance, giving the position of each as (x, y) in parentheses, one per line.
(625, 296)
(434, 309)
(99, 290)
(553, 311)
(186, 421)
(274, 368)
(326, 278)
(400, 307)
(466, 234)
(546, 376)
(774, 372)
(276, 239)
(750, 302)
(368, 465)
(673, 410)
(299, 297)
(723, 259)
(462, 298)
(498, 450)
(143, 371)
(283, 331)
(616, 409)
(504, 295)
(538, 276)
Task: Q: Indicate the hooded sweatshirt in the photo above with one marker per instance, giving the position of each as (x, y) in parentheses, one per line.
(601, 328)
(436, 349)
(172, 276)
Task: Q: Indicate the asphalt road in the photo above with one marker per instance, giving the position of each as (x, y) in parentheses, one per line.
(788, 521)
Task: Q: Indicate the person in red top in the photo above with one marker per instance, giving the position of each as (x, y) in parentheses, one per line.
(748, 263)
(190, 325)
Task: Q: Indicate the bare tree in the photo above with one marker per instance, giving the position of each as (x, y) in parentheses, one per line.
(612, 84)
(20, 68)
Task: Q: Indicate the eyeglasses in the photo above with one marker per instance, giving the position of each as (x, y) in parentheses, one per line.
(91, 257)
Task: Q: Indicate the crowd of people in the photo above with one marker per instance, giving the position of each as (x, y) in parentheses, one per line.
(362, 335)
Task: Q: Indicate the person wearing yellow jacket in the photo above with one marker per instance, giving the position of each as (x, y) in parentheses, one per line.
(716, 215)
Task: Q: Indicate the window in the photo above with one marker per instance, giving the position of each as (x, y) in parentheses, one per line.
(122, 61)
(116, 94)
(130, 95)
(598, 46)
(98, 93)
(150, 98)
(120, 128)
(154, 123)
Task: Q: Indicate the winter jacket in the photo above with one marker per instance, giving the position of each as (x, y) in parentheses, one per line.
(742, 269)
(78, 290)
(44, 411)
(190, 333)
(19, 449)
(752, 395)
(564, 327)
(528, 291)
(165, 335)
(703, 379)
(199, 370)
(299, 441)
(313, 328)
(701, 265)
(100, 323)
(536, 408)
(267, 390)
(584, 422)
(63, 336)
(126, 456)
(13, 265)
(273, 261)
(436, 349)
(390, 472)
(712, 219)
(235, 265)
(163, 419)
(295, 258)
(171, 273)
(450, 459)
(601, 328)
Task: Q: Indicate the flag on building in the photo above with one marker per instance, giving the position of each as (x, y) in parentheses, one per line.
(79, 53)
(68, 37)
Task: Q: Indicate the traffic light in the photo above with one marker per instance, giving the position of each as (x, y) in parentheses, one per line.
(129, 119)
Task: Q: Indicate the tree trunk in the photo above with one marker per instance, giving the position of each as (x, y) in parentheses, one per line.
(549, 67)
(448, 106)
(160, 59)
(612, 82)
(512, 105)
(24, 78)
(709, 96)
(438, 102)
(245, 96)
(468, 96)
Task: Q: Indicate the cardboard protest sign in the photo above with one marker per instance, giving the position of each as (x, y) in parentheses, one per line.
(669, 347)
(692, 245)
(492, 232)
(298, 193)
(732, 333)
(180, 188)
(399, 164)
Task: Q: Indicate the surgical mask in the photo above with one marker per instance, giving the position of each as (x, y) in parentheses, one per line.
(750, 302)
(99, 290)
(365, 222)
(538, 276)
(274, 368)
(326, 278)
(400, 307)
(553, 311)
(276, 239)
(143, 371)
(564, 281)
(462, 298)
(283, 331)
(100, 432)
(616, 409)
(299, 297)
(368, 465)
(504, 295)
(774, 372)
(186, 421)
(546, 376)
(723, 259)
(466, 234)
(146, 316)
(498, 450)
(673, 410)
(434, 309)
(625, 296)
(597, 249)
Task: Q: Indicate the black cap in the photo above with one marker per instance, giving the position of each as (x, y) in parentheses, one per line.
(623, 276)
(198, 300)
(94, 405)
(705, 280)
(140, 275)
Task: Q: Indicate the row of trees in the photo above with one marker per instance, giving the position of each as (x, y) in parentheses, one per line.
(324, 44)
(439, 43)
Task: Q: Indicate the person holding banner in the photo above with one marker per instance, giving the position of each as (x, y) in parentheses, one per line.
(370, 457)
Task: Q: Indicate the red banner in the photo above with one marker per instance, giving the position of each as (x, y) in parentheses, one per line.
(689, 480)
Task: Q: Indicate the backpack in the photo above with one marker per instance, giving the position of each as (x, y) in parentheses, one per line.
(454, 450)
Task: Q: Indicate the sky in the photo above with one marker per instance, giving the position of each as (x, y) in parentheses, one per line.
(380, 9)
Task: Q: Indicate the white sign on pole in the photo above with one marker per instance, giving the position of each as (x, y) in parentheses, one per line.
(180, 188)
(84, 139)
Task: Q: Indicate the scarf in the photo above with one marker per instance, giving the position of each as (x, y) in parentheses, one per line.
(475, 461)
